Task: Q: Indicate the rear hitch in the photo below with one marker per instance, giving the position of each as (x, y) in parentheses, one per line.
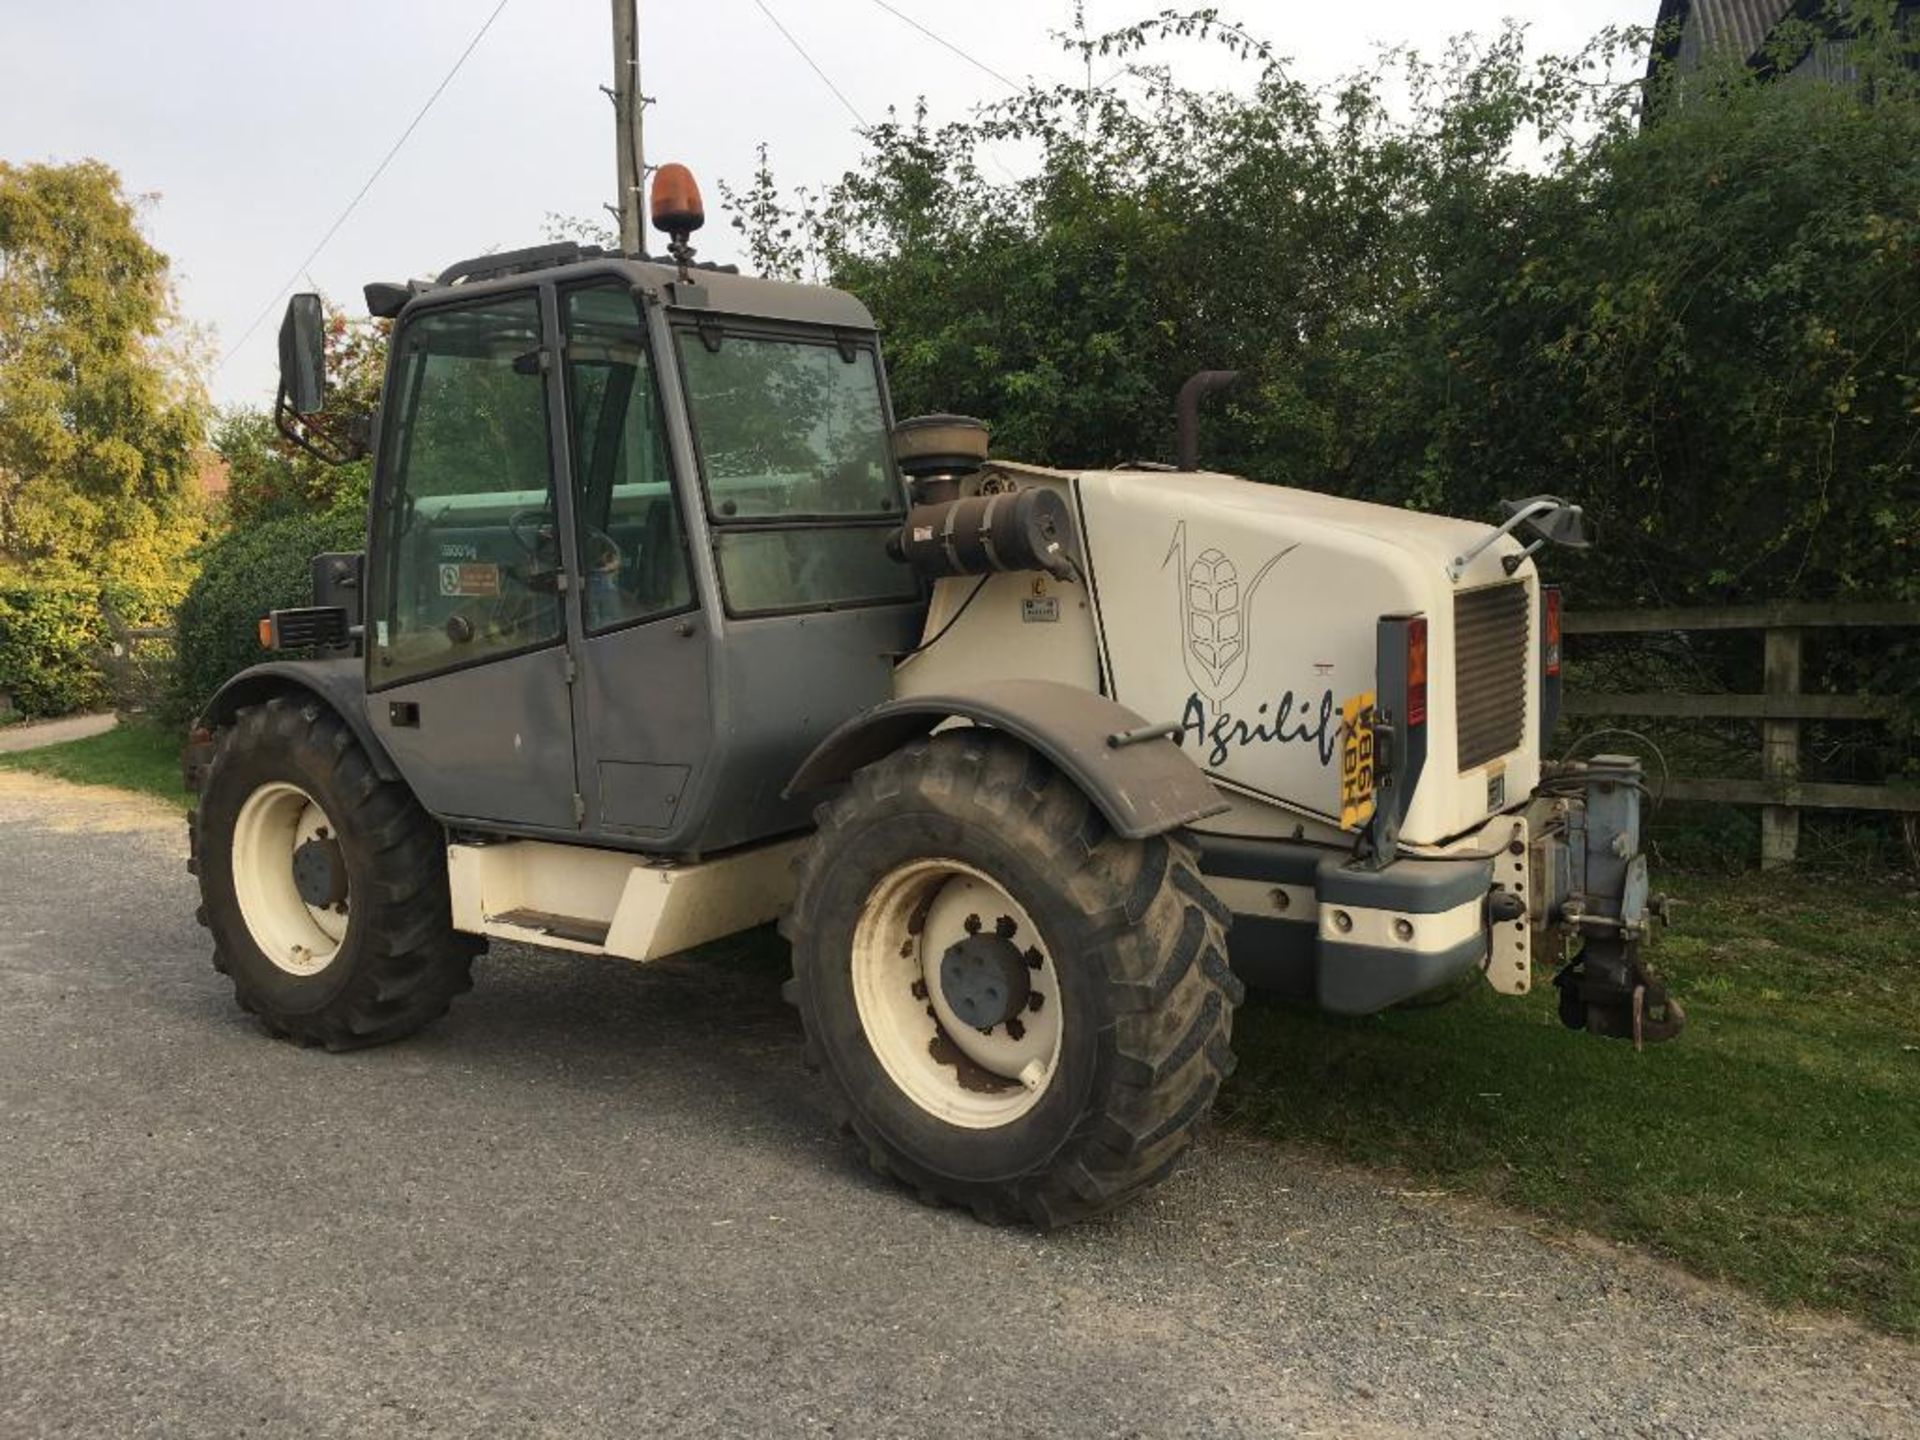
(1592, 1001)
(1609, 989)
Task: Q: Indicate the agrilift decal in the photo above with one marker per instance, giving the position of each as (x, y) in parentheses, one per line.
(1216, 627)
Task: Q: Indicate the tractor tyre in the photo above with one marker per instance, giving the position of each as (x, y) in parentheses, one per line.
(325, 887)
(1017, 1010)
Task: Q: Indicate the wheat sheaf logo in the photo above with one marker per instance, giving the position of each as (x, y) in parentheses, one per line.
(1216, 615)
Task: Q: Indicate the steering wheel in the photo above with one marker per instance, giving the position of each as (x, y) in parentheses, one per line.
(519, 526)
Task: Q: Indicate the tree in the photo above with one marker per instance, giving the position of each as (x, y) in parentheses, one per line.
(101, 412)
(1445, 283)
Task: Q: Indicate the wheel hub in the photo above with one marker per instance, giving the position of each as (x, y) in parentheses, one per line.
(957, 993)
(984, 979)
(290, 878)
(320, 871)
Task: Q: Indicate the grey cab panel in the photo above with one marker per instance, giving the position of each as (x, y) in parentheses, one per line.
(784, 684)
(648, 725)
(491, 742)
(640, 797)
(641, 709)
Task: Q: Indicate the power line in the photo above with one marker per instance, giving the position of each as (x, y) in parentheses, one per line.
(353, 204)
(980, 65)
(802, 50)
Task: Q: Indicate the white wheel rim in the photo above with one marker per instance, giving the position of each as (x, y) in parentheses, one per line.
(948, 1068)
(274, 822)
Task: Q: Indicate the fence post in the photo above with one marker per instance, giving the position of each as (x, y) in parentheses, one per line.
(1780, 749)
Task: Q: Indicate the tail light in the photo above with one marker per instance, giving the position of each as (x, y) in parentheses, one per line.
(1417, 670)
(1550, 641)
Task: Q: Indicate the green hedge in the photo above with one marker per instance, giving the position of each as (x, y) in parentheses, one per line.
(51, 638)
(243, 575)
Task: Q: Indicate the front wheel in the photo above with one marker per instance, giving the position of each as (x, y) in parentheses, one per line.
(325, 886)
(1017, 1010)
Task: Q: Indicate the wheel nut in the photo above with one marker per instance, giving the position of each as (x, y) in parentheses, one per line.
(1342, 921)
(1403, 930)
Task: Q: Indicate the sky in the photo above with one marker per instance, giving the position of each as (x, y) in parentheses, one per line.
(251, 124)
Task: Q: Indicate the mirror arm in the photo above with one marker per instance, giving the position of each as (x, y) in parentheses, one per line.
(294, 428)
(1514, 521)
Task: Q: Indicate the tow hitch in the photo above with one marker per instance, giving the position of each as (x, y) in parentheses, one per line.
(1608, 988)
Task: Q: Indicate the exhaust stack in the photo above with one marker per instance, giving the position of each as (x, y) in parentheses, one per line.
(1187, 414)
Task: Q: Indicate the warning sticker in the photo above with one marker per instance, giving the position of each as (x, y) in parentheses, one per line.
(470, 579)
(1357, 774)
(1040, 612)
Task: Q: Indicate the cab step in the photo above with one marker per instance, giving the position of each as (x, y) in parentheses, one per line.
(561, 927)
(615, 902)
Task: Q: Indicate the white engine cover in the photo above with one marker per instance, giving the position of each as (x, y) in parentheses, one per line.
(1247, 613)
(1292, 585)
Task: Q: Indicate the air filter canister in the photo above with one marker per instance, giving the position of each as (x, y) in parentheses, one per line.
(1023, 530)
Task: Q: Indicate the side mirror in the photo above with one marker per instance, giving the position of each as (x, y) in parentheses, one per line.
(303, 362)
(1550, 519)
(1545, 520)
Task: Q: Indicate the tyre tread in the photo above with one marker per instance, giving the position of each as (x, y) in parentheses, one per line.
(1159, 932)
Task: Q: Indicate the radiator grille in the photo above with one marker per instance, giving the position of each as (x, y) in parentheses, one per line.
(1491, 637)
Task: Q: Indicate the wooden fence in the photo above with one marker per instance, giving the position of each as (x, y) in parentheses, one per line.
(137, 660)
(1781, 794)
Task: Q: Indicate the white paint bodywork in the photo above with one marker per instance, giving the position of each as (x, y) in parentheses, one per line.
(1302, 580)
(1019, 626)
(1310, 576)
(1314, 575)
(650, 908)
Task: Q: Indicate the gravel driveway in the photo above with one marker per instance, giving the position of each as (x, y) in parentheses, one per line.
(603, 1199)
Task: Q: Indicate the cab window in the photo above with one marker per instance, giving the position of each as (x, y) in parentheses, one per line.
(471, 564)
(798, 473)
(633, 555)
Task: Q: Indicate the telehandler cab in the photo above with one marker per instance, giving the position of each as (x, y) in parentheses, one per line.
(665, 629)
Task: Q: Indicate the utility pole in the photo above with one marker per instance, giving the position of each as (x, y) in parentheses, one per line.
(628, 107)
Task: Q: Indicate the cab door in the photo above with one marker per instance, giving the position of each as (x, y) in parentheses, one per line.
(643, 714)
(467, 652)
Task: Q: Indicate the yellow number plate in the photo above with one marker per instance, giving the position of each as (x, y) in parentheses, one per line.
(1356, 760)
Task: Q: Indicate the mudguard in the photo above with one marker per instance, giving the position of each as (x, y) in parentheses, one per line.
(338, 683)
(1143, 785)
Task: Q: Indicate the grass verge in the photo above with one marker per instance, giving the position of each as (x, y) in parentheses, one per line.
(1776, 1143)
(134, 755)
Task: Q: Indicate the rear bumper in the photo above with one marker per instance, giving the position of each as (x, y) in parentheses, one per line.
(1356, 941)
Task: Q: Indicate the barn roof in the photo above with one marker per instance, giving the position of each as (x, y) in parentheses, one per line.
(1694, 28)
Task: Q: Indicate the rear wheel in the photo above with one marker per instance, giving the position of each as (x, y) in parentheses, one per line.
(325, 887)
(1016, 1010)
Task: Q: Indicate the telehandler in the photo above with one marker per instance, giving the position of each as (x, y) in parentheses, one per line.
(665, 629)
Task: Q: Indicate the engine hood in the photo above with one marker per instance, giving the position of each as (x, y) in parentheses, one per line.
(1247, 613)
(1434, 540)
